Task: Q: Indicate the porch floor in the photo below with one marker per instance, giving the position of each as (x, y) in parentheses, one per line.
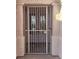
(38, 57)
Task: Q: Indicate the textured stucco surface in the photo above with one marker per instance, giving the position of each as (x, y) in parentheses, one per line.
(34, 1)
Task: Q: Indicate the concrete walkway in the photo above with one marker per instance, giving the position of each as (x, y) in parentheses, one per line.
(38, 57)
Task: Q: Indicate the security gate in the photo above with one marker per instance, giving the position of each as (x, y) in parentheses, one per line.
(37, 30)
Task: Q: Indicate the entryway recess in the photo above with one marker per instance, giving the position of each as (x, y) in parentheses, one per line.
(38, 29)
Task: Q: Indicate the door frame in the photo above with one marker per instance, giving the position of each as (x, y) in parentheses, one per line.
(30, 5)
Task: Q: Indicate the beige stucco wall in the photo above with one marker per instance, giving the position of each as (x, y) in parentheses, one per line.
(19, 31)
(34, 1)
(57, 33)
(19, 26)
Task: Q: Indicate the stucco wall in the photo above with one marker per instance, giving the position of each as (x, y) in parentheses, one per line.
(34, 1)
(19, 31)
(57, 33)
(56, 50)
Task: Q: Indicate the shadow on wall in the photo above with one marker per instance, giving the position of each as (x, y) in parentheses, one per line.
(59, 20)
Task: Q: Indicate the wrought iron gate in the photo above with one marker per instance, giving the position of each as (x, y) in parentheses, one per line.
(37, 30)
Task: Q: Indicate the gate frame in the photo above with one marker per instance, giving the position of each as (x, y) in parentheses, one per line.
(36, 5)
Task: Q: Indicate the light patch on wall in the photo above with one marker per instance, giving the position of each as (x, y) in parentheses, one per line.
(58, 16)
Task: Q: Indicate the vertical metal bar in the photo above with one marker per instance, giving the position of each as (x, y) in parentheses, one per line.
(32, 48)
(37, 29)
(46, 29)
(41, 20)
(28, 31)
(39, 17)
(42, 29)
(35, 17)
(30, 42)
(35, 36)
(31, 31)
